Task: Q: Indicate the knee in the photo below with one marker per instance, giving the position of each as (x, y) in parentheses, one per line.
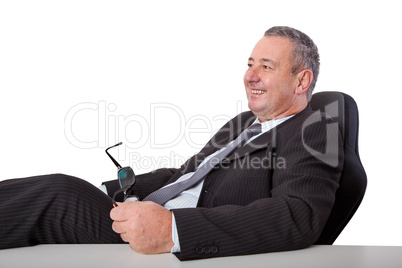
(65, 183)
(61, 179)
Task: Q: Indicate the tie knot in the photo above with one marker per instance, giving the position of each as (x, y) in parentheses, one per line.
(251, 131)
(254, 129)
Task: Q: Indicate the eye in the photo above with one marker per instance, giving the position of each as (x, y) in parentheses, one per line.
(250, 65)
(266, 67)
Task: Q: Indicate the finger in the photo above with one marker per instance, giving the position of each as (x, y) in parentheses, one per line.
(125, 237)
(124, 210)
(118, 227)
(118, 213)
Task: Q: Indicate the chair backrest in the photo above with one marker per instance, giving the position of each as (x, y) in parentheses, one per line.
(352, 185)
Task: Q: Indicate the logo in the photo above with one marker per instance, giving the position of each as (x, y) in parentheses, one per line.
(330, 156)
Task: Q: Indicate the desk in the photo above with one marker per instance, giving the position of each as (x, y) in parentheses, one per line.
(121, 256)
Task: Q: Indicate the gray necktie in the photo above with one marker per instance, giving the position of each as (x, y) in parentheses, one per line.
(163, 195)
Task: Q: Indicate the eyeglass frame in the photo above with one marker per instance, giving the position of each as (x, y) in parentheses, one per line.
(124, 186)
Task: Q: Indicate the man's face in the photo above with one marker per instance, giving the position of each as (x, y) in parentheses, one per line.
(270, 85)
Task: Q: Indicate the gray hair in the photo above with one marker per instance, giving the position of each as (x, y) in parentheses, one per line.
(305, 52)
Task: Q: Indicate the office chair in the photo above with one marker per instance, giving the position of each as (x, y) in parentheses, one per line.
(352, 185)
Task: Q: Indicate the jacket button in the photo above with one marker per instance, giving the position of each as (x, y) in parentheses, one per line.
(207, 250)
(199, 250)
(214, 249)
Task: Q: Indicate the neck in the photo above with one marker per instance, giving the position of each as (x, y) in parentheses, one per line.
(291, 111)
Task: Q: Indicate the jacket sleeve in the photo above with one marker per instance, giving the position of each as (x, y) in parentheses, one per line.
(291, 217)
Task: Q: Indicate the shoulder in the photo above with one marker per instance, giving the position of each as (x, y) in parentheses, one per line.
(305, 120)
(311, 134)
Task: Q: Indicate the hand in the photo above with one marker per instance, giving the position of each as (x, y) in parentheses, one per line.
(147, 226)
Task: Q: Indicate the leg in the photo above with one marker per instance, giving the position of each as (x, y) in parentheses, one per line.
(54, 209)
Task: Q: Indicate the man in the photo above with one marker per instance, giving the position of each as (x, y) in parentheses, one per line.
(269, 194)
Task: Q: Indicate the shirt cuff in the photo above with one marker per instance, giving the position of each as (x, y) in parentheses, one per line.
(175, 236)
(103, 188)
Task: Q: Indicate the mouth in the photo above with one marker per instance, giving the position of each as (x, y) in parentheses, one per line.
(258, 92)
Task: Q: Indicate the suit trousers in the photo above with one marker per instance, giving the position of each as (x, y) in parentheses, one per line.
(54, 209)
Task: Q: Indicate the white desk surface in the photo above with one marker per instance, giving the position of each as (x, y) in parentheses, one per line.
(121, 256)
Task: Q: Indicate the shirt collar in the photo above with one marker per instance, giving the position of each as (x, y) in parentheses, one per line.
(268, 125)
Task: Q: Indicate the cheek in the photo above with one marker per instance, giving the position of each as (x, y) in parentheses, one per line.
(248, 92)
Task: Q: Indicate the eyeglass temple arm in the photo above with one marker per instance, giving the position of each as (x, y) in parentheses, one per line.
(111, 157)
(124, 189)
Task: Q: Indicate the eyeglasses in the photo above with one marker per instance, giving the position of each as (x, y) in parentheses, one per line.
(125, 175)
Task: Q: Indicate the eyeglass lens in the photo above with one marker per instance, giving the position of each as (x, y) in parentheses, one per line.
(126, 176)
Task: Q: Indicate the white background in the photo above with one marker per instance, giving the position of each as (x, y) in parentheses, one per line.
(77, 76)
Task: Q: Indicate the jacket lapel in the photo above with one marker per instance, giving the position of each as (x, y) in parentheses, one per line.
(259, 143)
(262, 142)
(220, 140)
(209, 149)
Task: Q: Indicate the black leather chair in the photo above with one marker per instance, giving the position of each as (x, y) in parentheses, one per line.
(343, 109)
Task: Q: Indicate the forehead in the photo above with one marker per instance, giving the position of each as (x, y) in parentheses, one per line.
(275, 48)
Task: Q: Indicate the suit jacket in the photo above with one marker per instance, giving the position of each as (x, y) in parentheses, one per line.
(272, 194)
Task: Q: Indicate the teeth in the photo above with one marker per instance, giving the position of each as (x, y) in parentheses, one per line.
(257, 91)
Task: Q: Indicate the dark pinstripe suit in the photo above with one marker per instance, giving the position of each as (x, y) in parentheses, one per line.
(253, 203)
(54, 209)
(270, 195)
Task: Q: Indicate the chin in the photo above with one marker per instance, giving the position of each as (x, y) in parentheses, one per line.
(258, 110)
(255, 110)
(255, 107)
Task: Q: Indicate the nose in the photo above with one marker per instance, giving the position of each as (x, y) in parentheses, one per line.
(251, 75)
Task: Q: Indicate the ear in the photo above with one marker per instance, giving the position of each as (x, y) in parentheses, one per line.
(304, 80)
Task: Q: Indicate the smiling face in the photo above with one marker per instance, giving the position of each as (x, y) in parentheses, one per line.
(272, 90)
